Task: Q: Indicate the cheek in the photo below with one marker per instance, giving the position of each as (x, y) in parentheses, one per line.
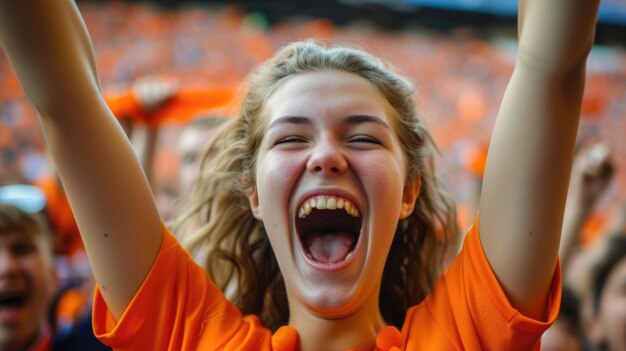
(384, 177)
(43, 277)
(275, 179)
(614, 311)
(619, 308)
(272, 174)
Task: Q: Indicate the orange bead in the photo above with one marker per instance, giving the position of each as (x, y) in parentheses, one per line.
(389, 338)
(285, 339)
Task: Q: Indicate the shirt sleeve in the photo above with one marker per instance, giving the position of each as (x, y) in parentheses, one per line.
(468, 310)
(177, 307)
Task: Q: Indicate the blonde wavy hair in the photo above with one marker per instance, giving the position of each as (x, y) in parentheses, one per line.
(217, 226)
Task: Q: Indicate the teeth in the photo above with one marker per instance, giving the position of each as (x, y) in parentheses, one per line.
(331, 204)
(340, 203)
(322, 202)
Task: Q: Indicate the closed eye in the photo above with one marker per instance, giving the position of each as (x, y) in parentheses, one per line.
(23, 248)
(290, 139)
(365, 139)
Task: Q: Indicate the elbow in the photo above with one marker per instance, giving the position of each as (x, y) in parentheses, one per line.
(567, 67)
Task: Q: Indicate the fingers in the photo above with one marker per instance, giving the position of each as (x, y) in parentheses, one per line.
(152, 92)
(598, 162)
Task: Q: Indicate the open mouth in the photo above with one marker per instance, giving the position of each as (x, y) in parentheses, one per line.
(12, 300)
(329, 228)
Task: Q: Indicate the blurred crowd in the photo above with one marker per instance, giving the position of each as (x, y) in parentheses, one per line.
(171, 77)
(460, 77)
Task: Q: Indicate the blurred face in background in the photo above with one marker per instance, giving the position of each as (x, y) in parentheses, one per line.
(561, 336)
(609, 325)
(192, 142)
(27, 284)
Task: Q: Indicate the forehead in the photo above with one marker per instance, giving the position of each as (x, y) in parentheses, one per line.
(332, 93)
(12, 236)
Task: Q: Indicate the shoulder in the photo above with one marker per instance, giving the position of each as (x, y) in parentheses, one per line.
(177, 307)
(468, 308)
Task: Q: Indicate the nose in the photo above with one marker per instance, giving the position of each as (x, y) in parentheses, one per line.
(327, 158)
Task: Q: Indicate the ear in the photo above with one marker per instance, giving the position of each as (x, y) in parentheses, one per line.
(53, 282)
(253, 199)
(409, 195)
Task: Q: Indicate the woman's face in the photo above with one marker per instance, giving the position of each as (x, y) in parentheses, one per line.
(330, 189)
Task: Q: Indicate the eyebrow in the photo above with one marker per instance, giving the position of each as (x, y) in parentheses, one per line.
(352, 120)
(289, 120)
(357, 119)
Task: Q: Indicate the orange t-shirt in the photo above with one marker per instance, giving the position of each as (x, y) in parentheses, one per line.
(179, 308)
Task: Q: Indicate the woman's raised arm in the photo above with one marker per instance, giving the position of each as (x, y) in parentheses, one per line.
(530, 156)
(49, 48)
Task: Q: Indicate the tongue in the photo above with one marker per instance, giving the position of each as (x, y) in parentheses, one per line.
(329, 247)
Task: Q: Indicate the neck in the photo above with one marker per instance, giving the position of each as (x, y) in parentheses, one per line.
(357, 330)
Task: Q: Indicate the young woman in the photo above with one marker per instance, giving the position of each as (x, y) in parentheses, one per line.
(329, 157)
